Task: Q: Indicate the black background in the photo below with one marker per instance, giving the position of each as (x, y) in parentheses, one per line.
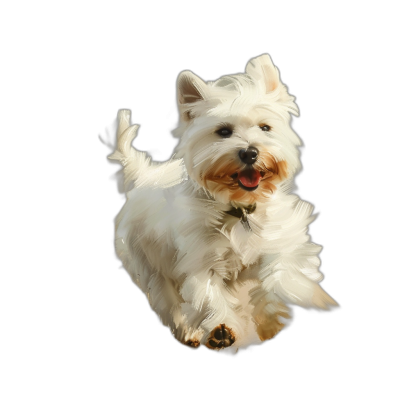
(108, 322)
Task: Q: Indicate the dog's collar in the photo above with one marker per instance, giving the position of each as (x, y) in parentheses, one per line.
(238, 212)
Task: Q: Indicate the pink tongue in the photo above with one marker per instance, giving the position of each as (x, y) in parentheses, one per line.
(250, 178)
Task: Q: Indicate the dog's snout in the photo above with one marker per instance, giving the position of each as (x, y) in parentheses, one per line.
(248, 156)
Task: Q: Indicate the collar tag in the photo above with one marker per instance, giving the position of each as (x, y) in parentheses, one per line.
(239, 212)
(244, 220)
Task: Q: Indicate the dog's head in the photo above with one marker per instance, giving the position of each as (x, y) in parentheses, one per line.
(235, 134)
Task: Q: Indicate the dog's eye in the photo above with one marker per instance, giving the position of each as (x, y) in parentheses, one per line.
(265, 128)
(224, 132)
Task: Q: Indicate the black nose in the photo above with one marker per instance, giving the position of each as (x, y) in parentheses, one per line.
(248, 156)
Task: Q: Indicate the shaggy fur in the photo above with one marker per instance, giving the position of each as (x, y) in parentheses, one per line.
(218, 243)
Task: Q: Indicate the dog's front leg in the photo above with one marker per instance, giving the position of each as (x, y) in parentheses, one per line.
(210, 306)
(288, 277)
(268, 312)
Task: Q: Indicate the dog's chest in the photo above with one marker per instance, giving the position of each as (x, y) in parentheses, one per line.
(202, 230)
(224, 247)
(242, 242)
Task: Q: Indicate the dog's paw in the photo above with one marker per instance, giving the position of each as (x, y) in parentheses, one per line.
(269, 325)
(192, 343)
(220, 337)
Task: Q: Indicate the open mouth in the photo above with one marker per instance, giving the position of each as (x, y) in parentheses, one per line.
(248, 179)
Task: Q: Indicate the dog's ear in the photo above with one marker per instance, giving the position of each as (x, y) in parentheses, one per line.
(263, 71)
(191, 89)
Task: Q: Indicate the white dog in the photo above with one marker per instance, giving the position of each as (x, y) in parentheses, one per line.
(213, 236)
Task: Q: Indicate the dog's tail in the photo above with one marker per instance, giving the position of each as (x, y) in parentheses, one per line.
(139, 170)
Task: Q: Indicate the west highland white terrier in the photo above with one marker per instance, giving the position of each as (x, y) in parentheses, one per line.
(213, 236)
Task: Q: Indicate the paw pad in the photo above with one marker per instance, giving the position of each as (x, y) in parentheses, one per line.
(220, 337)
(192, 343)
